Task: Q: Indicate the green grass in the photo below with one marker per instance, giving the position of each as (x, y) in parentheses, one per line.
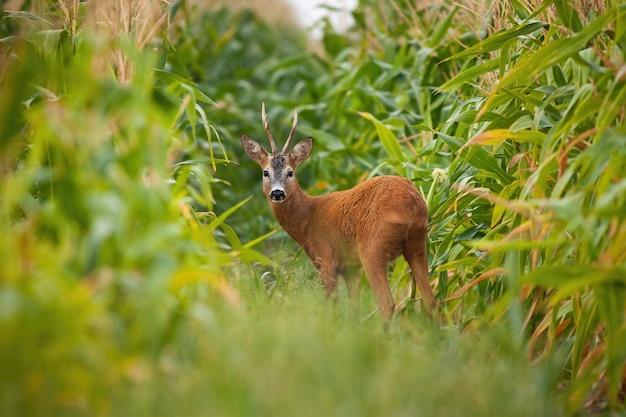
(291, 352)
(295, 354)
(140, 271)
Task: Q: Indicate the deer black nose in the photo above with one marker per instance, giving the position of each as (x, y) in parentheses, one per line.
(277, 195)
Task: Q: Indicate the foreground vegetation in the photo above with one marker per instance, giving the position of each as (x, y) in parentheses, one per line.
(138, 278)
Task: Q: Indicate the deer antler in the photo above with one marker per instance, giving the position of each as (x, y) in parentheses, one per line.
(292, 131)
(266, 126)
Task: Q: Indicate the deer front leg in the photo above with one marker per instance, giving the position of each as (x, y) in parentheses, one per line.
(328, 274)
(376, 271)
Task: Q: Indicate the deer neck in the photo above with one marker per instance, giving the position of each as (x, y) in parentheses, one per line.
(294, 214)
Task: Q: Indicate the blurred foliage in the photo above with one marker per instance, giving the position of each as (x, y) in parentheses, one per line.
(130, 283)
(102, 244)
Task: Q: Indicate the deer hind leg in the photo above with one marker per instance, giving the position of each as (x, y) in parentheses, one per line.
(375, 255)
(352, 278)
(416, 255)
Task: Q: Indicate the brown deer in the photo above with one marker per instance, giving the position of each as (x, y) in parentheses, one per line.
(373, 222)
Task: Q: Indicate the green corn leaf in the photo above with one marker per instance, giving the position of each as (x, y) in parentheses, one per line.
(250, 256)
(497, 40)
(512, 245)
(550, 54)
(469, 74)
(497, 136)
(441, 29)
(568, 15)
(387, 138)
(222, 217)
(182, 81)
(477, 157)
(259, 239)
(231, 236)
(568, 279)
(586, 322)
(612, 105)
(506, 193)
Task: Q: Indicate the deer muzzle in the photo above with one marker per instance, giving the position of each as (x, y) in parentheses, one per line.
(277, 196)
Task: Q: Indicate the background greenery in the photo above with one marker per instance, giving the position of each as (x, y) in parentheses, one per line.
(139, 278)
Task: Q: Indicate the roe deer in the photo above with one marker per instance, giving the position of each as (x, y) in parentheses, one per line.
(373, 222)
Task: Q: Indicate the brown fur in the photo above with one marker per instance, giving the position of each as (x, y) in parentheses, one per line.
(370, 224)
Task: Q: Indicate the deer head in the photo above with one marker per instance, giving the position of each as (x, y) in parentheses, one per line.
(279, 180)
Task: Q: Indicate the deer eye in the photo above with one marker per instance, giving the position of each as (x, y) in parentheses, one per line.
(290, 173)
(266, 174)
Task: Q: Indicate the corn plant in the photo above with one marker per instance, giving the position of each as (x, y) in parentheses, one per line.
(511, 124)
(134, 247)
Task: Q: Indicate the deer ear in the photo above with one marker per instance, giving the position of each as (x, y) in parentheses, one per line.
(254, 150)
(301, 151)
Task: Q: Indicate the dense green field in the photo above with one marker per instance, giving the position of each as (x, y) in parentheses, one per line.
(142, 273)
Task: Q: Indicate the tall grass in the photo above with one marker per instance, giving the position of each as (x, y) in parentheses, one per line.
(131, 277)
